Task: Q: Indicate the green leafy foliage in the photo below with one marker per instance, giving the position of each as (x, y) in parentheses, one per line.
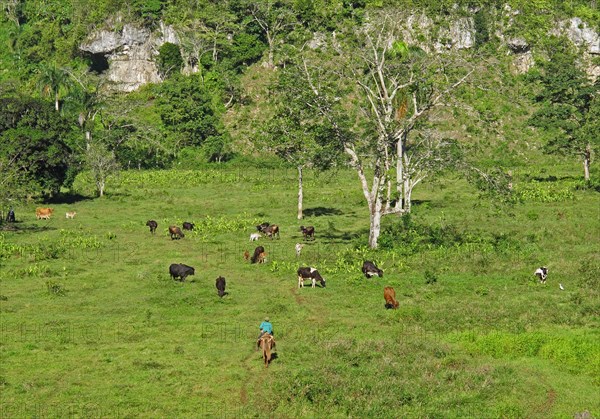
(169, 59)
(566, 97)
(33, 140)
(185, 107)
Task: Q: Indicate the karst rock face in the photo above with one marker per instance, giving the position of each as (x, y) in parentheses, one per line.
(127, 53)
(130, 54)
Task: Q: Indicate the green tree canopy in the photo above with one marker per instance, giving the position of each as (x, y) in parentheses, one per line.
(34, 138)
(565, 97)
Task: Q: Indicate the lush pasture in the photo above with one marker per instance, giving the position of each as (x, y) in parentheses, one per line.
(92, 325)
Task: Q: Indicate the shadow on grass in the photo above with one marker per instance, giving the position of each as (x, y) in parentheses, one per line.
(320, 211)
(68, 198)
(333, 235)
(552, 178)
(417, 202)
(18, 226)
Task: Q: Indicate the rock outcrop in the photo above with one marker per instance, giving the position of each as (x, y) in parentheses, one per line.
(130, 54)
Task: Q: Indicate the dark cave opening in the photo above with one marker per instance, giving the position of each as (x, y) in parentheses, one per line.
(99, 63)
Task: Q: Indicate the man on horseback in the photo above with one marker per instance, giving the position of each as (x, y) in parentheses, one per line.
(265, 327)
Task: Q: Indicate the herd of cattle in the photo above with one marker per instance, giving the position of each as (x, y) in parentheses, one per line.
(180, 271)
(305, 273)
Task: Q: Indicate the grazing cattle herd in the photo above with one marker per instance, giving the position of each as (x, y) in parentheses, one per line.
(259, 255)
(305, 273)
(153, 225)
(308, 232)
(43, 213)
(390, 298)
(269, 230)
(179, 271)
(541, 273)
(220, 284)
(370, 270)
(175, 233)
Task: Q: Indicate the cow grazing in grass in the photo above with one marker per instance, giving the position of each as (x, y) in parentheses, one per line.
(370, 269)
(175, 232)
(308, 232)
(256, 256)
(181, 271)
(309, 273)
(262, 226)
(188, 226)
(390, 298)
(220, 284)
(298, 247)
(70, 214)
(272, 231)
(43, 213)
(542, 274)
(153, 226)
(269, 230)
(254, 237)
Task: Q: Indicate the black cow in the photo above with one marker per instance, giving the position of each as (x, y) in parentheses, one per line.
(188, 226)
(220, 284)
(308, 232)
(309, 273)
(179, 270)
(257, 252)
(153, 225)
(10, 217)
(369, 269)
(261, 227)
(175, 232)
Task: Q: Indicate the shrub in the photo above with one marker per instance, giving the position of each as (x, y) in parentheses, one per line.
(55, 288)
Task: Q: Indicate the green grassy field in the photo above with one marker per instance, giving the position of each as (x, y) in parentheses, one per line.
(93, 326)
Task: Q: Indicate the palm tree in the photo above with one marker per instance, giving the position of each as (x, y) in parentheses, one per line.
(52, 80)
(86, 103)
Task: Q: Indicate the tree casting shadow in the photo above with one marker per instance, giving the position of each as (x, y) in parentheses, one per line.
(68, 198)
(319, 211)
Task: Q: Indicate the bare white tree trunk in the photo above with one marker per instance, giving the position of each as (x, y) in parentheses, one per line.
(399, 175)
(375, 223)
(300, 193)
(587, 157)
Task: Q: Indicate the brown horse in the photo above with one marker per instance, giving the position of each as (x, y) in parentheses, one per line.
(267, 343)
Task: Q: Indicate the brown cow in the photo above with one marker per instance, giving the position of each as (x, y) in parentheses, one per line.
(269, 230)
(267, 343)
(262, 257)
(175, 232)
(390, 298)
(44, 213)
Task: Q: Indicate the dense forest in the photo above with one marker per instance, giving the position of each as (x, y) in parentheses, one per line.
(474, 85)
